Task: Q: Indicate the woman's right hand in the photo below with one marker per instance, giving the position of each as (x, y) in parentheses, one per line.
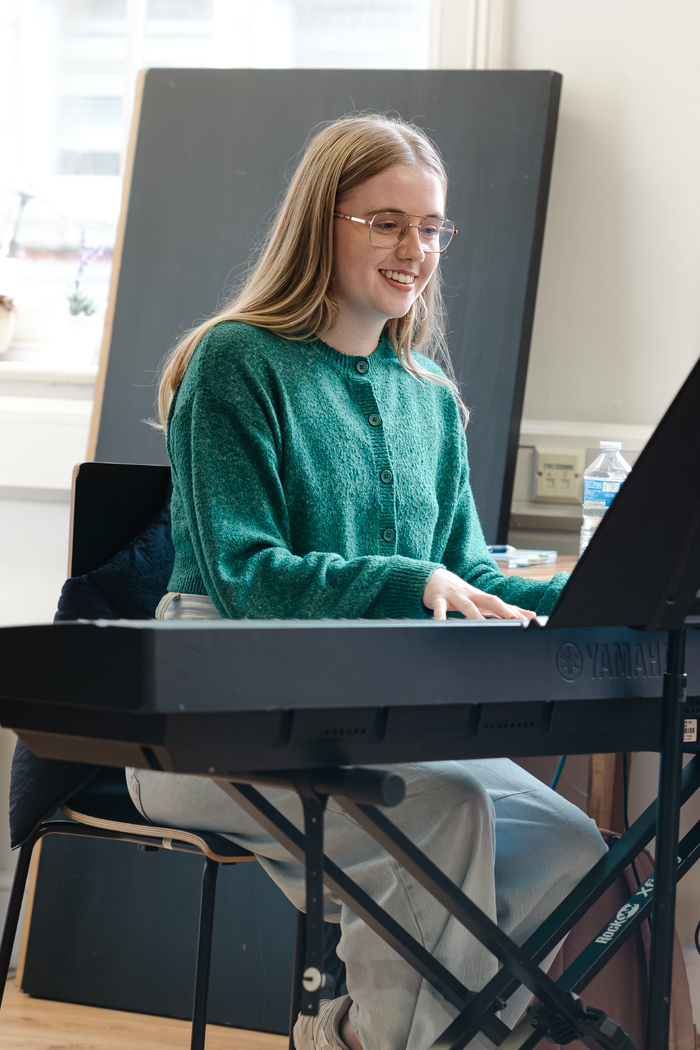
(446, 592)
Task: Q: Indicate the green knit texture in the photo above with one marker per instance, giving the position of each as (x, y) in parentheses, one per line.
(310, 484)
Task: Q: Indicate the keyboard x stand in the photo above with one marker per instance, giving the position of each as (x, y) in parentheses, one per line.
(557, 1015)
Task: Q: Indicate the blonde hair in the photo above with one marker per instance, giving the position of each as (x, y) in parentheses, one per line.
(288, 290)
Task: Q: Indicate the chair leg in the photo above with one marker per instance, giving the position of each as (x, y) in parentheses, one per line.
(201, 979)
(297, 973)
(14, 908)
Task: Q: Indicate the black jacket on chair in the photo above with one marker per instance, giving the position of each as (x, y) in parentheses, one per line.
(128, 587)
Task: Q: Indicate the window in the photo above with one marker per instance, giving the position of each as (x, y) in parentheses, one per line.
(68, 88)
(75, 62)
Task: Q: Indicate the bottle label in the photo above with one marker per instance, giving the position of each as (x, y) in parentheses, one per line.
(599, 492)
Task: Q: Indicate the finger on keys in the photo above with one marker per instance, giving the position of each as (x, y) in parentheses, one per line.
(495, 607)
(466, 606)
(516, 613)
(490, 604)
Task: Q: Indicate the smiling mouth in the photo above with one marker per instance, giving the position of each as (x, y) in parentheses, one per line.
(398, 277)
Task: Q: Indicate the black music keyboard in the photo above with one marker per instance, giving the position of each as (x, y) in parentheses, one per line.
(214, 697)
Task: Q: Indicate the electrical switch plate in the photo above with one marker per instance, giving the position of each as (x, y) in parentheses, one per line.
(559, 475)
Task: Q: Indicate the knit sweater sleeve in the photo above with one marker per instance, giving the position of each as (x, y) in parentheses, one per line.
(467, 555)
(226, 453)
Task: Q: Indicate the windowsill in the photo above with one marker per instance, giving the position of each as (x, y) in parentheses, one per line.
(632, 435)
(34, 494)
(43, 433)
(526, 514)
(31, 371)
(47, 379)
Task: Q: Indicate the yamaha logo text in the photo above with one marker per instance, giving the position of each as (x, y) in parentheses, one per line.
(602, 660)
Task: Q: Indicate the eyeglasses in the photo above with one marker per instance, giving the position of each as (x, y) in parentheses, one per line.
(388, 228)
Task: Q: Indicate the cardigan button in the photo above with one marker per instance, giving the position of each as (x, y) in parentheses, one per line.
(389, 535)
(374, 419)
(362, 366)
(387, 477)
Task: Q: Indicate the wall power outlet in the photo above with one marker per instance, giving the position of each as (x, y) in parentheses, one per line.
(559, 475)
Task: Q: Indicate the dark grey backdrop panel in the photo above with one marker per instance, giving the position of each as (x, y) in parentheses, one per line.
(213, 155)
(116, 927)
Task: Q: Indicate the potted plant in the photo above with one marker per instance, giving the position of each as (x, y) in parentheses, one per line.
(83, 325)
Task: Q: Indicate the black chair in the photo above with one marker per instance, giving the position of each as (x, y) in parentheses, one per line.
(120, 560)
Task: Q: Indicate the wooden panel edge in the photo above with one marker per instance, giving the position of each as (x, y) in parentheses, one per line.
(606, 792)
(116, 267)
(28, 908)
(74, 483)
(600, 786)
(530, 302)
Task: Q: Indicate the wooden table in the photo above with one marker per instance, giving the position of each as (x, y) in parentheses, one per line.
(564, 563)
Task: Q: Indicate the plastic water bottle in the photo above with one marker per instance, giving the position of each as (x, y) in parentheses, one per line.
(601, 482)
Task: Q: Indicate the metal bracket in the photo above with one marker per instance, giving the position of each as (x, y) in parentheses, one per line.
(591, 1024)
(313, 978)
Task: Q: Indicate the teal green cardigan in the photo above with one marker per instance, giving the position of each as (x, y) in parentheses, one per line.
(311, 484)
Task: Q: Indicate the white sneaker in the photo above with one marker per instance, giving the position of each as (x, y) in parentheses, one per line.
(322, 1032)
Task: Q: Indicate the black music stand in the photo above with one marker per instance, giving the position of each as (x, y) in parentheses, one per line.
(642, 570)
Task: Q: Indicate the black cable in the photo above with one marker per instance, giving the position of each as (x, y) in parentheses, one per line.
(555, 778)
(626, 792)
(697, 944)
(625, 813)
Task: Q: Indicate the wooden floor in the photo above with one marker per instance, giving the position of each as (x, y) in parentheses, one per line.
(37, 1024)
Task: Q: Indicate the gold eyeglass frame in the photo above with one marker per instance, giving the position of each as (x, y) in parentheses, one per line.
(411, 226)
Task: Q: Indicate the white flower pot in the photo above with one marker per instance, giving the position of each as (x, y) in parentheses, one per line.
(39, 319)
(7, 328)
(78, 340)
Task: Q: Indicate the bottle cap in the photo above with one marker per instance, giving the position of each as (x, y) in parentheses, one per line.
(611, 444)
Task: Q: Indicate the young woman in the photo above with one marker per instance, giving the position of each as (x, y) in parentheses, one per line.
(320, 470)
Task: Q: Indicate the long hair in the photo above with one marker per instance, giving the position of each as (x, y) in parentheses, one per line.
(288, 290)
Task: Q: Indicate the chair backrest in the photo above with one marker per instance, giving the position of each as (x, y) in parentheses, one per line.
(110, 504)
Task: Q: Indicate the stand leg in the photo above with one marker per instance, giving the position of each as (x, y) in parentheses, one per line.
(297, 973)
(665, 865)
(15, 907)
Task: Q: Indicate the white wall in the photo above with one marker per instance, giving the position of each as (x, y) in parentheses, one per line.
(33, 558)
(617, 326)
(618, 315)
(44, 418)
(33, 555)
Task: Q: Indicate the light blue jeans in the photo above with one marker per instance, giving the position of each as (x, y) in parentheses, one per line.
(515, 847)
